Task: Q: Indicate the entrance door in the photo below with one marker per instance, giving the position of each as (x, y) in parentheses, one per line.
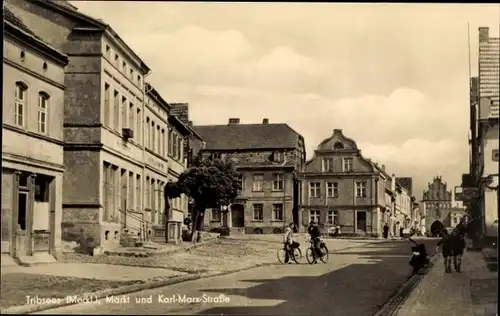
(361, 221)
(238, 215)
(22, 236)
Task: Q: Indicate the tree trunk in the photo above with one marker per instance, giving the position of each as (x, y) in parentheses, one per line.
(167, 216)
(197, 221)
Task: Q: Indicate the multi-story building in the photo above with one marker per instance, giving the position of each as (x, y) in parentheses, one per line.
(116, 128)
(341, 187)
(267, 157)
(32, 144)
(488, 132)
(436, 202)
(403, 208)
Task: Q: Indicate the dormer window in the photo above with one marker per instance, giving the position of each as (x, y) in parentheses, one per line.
(338, 145)
(277, 156)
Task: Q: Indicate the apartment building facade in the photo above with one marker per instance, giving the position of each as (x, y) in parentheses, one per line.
(32, 144)
(341, 187)
(116, 129)
(488, 132)
(267, 156)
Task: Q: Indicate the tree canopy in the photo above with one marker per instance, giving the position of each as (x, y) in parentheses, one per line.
(210, 182)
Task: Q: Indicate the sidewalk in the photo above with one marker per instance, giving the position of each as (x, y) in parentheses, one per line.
(470, 293)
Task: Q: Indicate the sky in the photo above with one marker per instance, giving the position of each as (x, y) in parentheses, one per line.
(393, 77)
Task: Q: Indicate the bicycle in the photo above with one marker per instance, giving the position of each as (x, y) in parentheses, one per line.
(311, 253)
(294, 255)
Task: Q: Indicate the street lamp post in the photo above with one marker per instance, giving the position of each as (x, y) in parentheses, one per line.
(225, 221)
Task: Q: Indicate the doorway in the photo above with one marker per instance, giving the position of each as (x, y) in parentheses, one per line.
(361, 221)
(22, 236)
(237, 215)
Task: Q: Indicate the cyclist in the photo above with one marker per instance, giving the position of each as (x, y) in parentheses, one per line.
(288, 242)
(314, 233)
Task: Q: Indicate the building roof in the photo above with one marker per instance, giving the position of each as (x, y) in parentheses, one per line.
(10, 19)
(69, 9)
(248, 136)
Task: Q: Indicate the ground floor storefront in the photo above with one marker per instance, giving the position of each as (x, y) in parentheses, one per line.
(31, 211)
(365, 221)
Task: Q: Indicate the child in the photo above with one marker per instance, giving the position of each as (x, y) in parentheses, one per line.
(446, 244)
(288, 242)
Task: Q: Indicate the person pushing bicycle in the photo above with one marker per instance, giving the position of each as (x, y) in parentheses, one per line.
(314, 233)
(288, 242)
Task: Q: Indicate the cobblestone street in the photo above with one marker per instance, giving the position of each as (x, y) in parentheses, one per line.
(357, 280)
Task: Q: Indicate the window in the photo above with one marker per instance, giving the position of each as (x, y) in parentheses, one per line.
(132, 74)
(327, 164)
(124, 67)
(43, 105)
(139, 126)
(162, 142)
(147, 189)
(314, 216)
(258, 212)
(124, 112)
(20, 104)
(278, 212)
(131, 112)
(258, 180)
(332, 218)
(108, 52)
(158, 139)
(314, 189)
(139, 80)
(332, 189)
(117, 59)
(278, 182)
(338, 145)
(117, 111)
(277, 156)
(347, 164)
(107, 108)
(360, 189)
(216, 215)
(106, 189)
(131, 202)
(174, 145)
(152, 137)
(170, 141)
(147, 131)
(179, 148)
(138, 192)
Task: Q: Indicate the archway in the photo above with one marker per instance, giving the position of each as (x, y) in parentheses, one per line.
(436, 228)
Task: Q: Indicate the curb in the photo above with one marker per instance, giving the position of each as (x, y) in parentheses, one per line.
(28, 309)
(152, 253)
(391, 307)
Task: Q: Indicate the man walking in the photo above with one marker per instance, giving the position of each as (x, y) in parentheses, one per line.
(386, 231)
(459, 246)
(446, 244)
(288, 242)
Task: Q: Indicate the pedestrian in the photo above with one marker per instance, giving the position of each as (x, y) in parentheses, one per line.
(459, 246)
(446, 244)
(288, 242)
(401, 230)
(386, 231)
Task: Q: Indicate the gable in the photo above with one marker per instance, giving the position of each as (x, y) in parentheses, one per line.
(338, 142)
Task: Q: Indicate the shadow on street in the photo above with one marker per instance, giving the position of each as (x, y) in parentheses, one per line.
(357, 289)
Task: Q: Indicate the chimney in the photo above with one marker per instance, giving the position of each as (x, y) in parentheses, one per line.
(234, 121)
(484, 35)
(337, 131)
(265, 121)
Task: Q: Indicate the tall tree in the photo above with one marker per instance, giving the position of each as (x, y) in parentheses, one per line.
(210, 183)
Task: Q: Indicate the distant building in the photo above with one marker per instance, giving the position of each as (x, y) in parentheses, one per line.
(267, 155)
(341, 187)
(33, 142)
(436, 202)
(407, 183)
